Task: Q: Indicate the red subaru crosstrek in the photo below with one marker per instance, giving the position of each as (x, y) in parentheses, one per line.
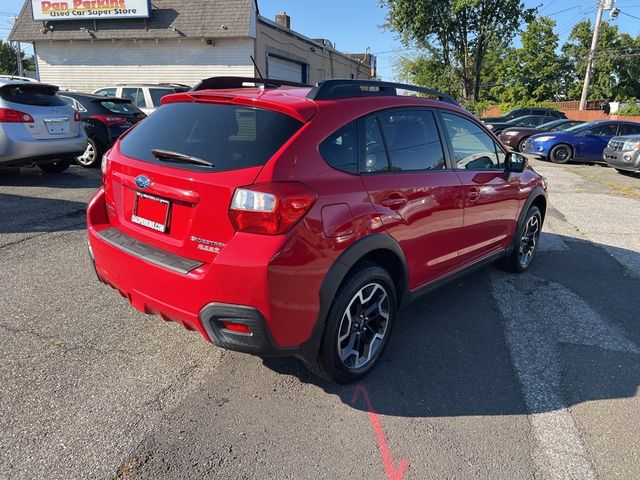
(288, 220)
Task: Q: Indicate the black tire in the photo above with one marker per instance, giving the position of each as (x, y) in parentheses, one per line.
(521, 144)
(370, 279)
(92, 156)
(55, 167)
(515, 260)
(561, 154)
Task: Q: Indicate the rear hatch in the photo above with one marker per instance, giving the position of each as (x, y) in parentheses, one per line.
(122, 108)
(170, 179)
(53, 118)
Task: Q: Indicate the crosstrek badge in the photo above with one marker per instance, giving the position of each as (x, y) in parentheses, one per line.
(89, 9)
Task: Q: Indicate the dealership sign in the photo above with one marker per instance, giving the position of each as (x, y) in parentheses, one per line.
(89, 9)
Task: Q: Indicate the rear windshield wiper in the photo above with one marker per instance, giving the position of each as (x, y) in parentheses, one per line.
(168, 156)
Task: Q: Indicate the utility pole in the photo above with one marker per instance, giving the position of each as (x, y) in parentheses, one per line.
(19, 55)
(592, 54)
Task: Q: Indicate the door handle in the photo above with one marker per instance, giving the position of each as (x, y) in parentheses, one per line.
(394, 201)
(473, 194)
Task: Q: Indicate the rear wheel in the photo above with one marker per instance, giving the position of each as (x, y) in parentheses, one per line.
(561, 154)
(55, 167)
(91, 156)
(358, 325)
(525, 243)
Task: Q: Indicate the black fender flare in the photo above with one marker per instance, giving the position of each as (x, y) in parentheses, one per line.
(336, 275)
(538, 192)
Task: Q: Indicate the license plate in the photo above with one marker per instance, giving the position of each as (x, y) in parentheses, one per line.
(151, 212)
(57, 126)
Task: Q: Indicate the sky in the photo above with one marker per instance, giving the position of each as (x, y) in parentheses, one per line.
(355, 25)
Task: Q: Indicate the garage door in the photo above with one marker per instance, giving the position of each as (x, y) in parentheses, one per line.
(282, 69)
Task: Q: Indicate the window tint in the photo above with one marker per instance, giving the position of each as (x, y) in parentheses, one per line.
(213, 133)
(539, 111)
(340, 150)
(629, 129)
(31, 94)
(157, 94)
(412, 140)
(106, 92)
(604, 130)
(136, 95)
(473, 148)
(375, 159)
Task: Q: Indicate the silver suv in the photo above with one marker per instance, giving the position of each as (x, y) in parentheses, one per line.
(37, 127)
(623, 153)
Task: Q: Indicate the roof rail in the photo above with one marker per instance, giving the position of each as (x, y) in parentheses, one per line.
(220, 83)
(346, 88)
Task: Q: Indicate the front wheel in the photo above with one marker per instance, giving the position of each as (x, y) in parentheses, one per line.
(561, 154)
(55, 167)
(525, 243)
(358, 326)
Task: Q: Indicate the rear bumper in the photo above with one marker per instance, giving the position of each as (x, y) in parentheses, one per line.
(19, 150)
(243, 289)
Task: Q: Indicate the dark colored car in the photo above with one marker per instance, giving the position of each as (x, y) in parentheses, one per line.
(514, 137)
(526, 121)
(521, 112)
(104, 119)
(294, 221)
(585, 142)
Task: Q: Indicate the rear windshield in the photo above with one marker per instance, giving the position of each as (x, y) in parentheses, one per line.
(229, 136)
(31, 94)
(121, 107)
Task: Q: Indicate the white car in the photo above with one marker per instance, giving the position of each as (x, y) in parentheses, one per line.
(144, 96)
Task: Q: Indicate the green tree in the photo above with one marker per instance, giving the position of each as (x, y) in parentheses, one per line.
(532, 72)
(9, 60)
(575, 52)
(459, 32)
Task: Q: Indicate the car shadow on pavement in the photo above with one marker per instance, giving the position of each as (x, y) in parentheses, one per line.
(21, 214)
(74, 177)
(453, 352)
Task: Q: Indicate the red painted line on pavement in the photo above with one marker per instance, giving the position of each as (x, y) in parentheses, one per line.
(383, 445)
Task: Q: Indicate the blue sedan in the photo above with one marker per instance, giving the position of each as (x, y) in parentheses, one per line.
(582, 143)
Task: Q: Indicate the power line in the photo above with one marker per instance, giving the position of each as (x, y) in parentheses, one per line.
(629, 15)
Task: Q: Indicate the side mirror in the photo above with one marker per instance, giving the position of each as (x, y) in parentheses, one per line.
(515, 163)
(586, 133)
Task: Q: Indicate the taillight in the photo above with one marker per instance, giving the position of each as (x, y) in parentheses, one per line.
(104, 165)
(271, 208)
(14, 116)
(110, 120)
(77, 117)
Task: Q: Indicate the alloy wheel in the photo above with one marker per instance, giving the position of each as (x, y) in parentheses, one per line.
(89, 156)
(363, 326)
(529, 241)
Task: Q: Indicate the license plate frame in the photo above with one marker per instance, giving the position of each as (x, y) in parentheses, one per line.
(152, 223)
(57, 126)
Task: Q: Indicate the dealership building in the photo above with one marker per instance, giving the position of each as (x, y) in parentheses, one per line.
(83, 45)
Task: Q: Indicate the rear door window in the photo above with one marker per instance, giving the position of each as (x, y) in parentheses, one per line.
(626, 129)
(229, 136)
(31, 94)
(412, 140)
(136, 95)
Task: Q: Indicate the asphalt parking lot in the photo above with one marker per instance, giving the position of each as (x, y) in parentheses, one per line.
(493, 377)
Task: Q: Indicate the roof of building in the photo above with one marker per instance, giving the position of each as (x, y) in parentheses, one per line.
(169, 19)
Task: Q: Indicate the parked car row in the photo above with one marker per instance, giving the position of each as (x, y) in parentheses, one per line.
(42, 126)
